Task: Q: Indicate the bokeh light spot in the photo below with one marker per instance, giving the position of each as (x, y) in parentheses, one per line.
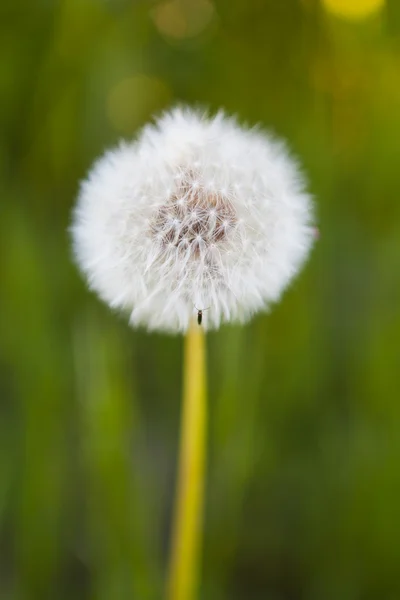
(133, 99)
(181, 19)
(353, 9)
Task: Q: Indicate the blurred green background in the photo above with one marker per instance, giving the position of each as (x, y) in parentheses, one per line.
(303, 496)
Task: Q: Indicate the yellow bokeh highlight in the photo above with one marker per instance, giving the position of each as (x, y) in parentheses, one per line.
(133, 99)
(353, 9)
(182, 19)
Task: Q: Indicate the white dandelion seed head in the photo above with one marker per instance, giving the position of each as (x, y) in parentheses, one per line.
(196, 213)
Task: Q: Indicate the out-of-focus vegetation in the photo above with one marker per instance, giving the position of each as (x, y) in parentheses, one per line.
(303, 497)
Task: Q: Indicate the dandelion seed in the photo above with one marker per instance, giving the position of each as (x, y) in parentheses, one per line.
(198, 210)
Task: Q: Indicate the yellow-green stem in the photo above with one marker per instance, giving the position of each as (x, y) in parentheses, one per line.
(187, 525)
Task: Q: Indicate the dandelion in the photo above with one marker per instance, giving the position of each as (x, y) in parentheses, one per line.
(197, 212)
(197, 217)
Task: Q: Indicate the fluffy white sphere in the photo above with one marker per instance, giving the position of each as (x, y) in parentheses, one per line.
(197, 213)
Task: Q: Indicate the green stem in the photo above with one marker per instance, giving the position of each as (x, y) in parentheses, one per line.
(187, 525)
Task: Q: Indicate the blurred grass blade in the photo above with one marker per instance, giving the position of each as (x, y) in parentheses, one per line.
(118, 535)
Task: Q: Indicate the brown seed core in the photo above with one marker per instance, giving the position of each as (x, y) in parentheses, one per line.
(193, 216)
